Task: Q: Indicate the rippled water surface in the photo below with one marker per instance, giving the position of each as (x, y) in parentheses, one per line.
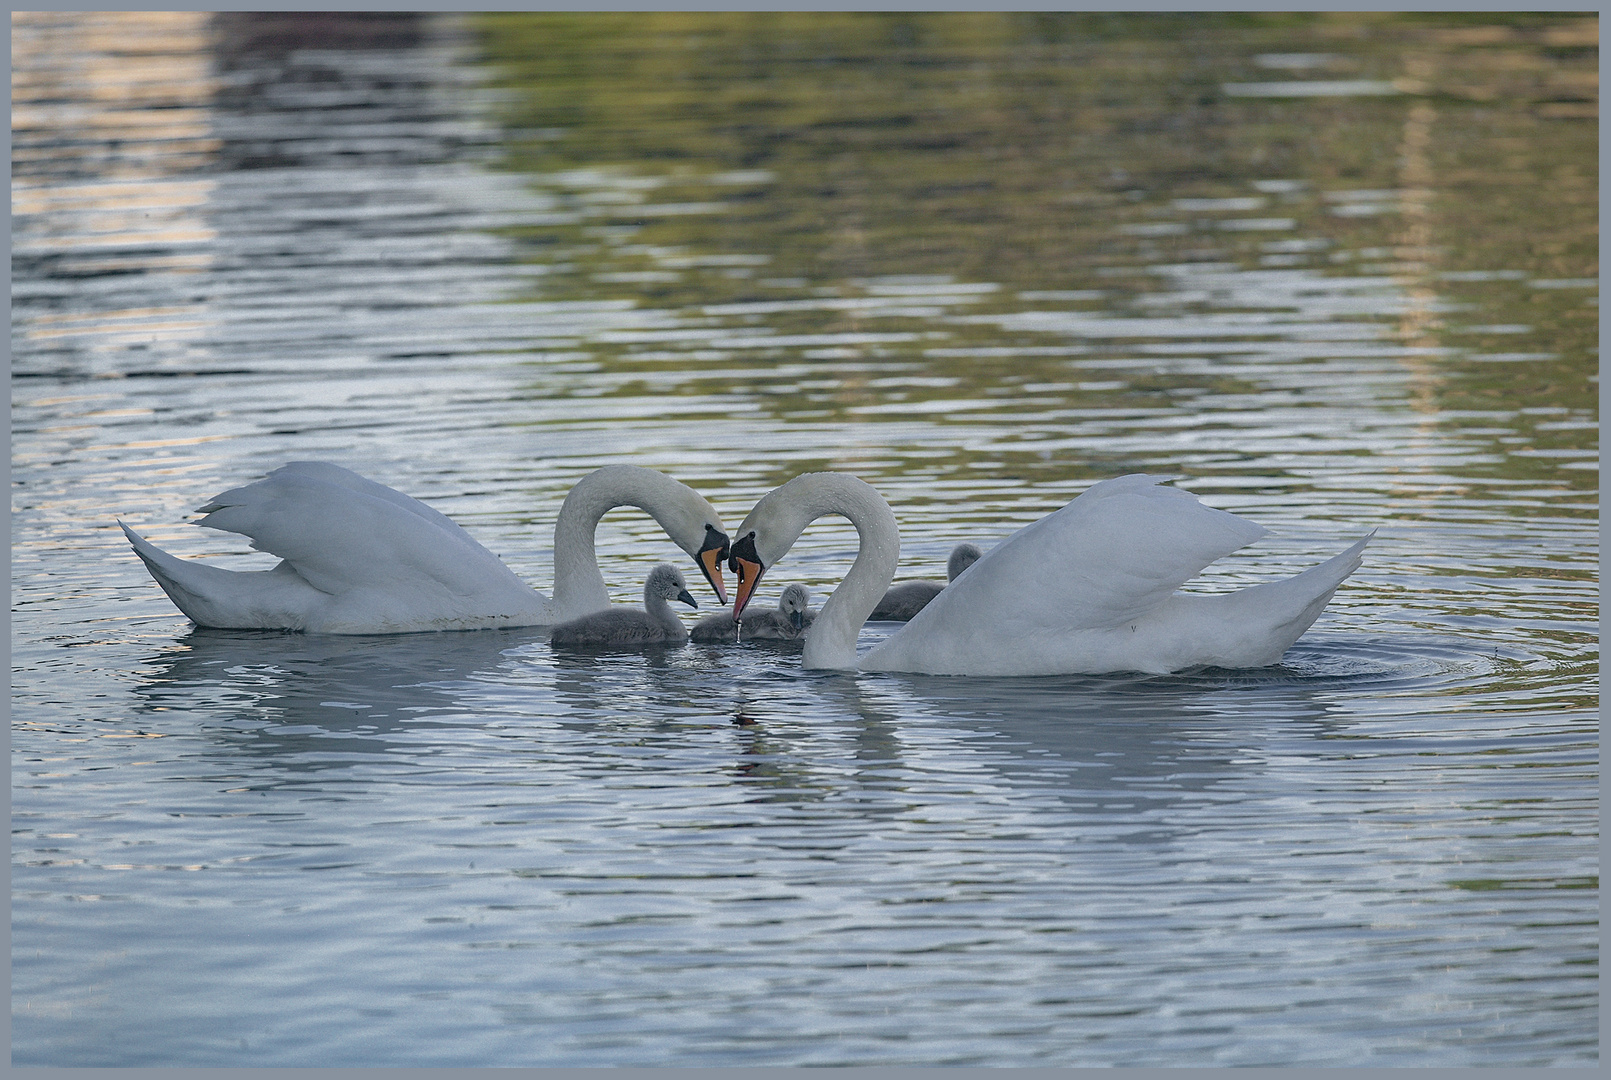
(1337, 273)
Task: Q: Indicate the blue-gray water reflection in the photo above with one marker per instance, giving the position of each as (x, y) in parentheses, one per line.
(274, 238)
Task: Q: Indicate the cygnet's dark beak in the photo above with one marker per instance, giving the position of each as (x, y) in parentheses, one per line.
(747, 565)
(710, 558)
(797, 618)
(686, 597)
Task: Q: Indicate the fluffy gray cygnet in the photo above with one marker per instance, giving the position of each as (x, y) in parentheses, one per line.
(907, 598)
(653, 624)
(787, 623)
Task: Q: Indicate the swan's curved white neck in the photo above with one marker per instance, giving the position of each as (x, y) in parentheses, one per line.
(578, 583)
(831, 641)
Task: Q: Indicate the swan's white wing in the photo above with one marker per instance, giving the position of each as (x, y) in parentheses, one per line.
(335, 474)
(343, 536)
(1114, 553)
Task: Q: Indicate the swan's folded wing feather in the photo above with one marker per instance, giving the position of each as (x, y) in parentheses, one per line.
(1114, 553)
(339, 537)
(335, 474)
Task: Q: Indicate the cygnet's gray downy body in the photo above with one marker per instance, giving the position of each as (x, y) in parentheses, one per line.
(906, 598)
(788, 622)
(653, 624)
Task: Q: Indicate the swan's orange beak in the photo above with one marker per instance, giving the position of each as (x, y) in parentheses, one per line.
(749, 575)
(710, 561)
(710, 558)
(746, 563)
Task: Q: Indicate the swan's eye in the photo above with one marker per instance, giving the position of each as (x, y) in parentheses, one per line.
(744, 551)
(715, 540)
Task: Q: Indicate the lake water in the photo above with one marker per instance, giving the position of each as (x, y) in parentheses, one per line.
(1337, 273)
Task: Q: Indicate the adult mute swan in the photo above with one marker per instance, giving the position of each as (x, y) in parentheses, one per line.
(786, 622)
(1088, 589)
(653, 624)
(361, 558)
(903, 600)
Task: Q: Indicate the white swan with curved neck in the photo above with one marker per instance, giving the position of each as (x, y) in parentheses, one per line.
(361, 558)
(1088, 589)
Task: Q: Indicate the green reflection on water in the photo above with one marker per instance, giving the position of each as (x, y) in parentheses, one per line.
(698, 160)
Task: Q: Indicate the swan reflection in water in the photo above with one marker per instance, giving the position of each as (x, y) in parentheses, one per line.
(1140, 762)
(311, 688)
(1091, 743)
(299, 704)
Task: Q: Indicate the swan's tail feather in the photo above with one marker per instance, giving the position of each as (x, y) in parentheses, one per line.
(1286, 608)
(211, 596)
